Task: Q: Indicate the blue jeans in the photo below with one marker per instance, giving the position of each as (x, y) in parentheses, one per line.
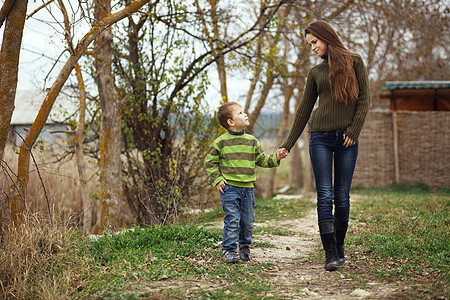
(237, 204)
(324, 146)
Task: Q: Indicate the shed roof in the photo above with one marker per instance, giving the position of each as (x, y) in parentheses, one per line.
(28, 102)
(407, 85)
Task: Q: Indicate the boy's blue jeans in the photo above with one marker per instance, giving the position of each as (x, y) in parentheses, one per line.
(324, 146)
(237, 204)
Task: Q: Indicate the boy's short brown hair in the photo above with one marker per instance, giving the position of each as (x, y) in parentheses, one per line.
(225, 113)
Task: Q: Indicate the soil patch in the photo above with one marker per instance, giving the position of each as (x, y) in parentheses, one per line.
(296, 276)
(297, 271)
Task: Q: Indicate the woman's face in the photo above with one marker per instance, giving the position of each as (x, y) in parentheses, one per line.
(317, 46)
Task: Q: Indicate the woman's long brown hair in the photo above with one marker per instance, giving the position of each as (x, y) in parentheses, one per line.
(342, 76)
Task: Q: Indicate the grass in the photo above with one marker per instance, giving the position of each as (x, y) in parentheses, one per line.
(165, 253)
(40, 260)
(266, 209)
(403, 234)
(149, 254)
(398, 235)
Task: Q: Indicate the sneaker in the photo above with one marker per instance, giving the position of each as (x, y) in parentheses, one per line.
(244, 253)
(230, 257)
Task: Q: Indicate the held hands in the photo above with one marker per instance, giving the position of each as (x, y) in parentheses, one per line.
(281, 153)
(348, 141)
(221, 184)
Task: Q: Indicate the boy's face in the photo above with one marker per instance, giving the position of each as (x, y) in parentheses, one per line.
(240, 119)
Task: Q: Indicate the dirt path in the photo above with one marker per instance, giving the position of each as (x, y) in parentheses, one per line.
(294, 276)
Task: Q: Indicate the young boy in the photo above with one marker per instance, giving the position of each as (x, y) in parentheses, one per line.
(230, 164)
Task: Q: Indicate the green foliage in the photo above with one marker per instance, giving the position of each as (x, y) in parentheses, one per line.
(144, 255)
(154, 253)
(164, 242)
(39, 145)
(272, 230)
(263, 245)
(270, 209)
(214, 215)
(267, 209)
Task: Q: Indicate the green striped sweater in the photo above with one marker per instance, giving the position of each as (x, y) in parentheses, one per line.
(234, 156)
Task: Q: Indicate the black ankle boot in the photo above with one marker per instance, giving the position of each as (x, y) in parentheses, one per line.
(329, 245)
(340, 229)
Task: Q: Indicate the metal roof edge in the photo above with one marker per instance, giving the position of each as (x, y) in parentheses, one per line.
(416, 84)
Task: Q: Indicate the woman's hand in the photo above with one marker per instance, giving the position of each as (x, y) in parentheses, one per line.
(221, 184)
(348, 141)
(281, 153)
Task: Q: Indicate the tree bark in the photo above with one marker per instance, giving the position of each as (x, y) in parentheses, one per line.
(9, 67)
(78, 139)
(214, 46)
(281, 132)
(300, 157)
(9, 63)
(288, 90)
(221, 59)
(296, 168)
(261, 101)
(44, 111)
(309, 175)
(5, 10)
(110, 127)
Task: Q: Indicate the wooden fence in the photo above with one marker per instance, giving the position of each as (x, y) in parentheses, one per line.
(404, 147)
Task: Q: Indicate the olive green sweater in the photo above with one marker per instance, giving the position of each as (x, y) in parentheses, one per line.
(330, 114)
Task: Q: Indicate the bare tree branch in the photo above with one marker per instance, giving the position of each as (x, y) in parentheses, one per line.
(5, 10)
(342, 8)
(67, 33)
(39, 8)
(187, 76)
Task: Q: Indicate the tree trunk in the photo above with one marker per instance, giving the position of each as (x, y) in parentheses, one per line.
(261, 101)
(9, 63)
(309, 175)
(296, 175)
(78, 139)
(110, 127)
(6, 8)
(296, 165)
(9, 67)
(296, 170)
(44, 111)
(214, 45)
(288, 90)
(221, 59)
(281, 132)
(258, 66)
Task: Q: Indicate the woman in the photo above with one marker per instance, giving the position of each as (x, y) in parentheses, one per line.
(341, 84)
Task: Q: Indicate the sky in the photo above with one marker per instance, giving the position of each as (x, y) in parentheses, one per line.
(37, 70)
(42, 43)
